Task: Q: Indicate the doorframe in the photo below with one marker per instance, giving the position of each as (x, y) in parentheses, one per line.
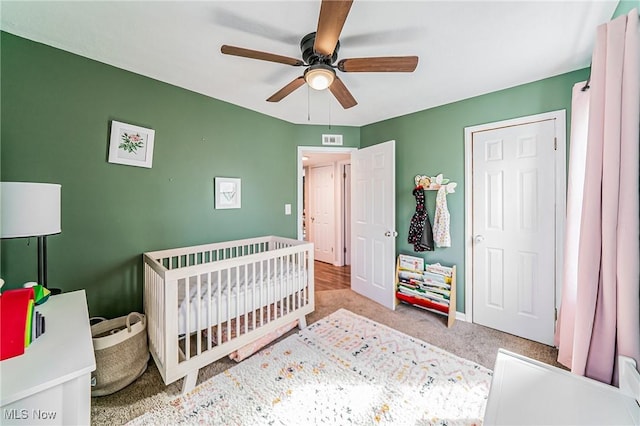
(560, 196)
(300, 174)
(346, 210)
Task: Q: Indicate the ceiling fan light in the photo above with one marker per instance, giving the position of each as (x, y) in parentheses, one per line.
(319, 76)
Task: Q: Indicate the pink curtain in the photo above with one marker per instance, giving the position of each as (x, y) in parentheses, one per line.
(575, 187)
(600, 315)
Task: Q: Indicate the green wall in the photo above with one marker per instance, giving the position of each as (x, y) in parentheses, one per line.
(56, 112)
(432, 141)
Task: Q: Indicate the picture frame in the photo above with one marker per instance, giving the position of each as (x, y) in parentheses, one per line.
(131, 145)
(228, 193)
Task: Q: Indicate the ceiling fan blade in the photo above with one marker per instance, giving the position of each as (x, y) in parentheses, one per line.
(379, 64)
(333, 13)
(342, 94)
(256, 54)
(286, 90)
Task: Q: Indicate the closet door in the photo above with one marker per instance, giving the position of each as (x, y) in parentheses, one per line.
(514, 251)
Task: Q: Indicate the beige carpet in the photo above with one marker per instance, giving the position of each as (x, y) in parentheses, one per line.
(470, 341)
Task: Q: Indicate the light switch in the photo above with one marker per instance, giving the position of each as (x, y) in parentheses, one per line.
(287, 209)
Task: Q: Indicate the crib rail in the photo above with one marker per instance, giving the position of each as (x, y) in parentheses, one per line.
(206, 253)
(206, 301)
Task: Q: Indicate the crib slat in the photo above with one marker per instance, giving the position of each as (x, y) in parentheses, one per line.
(246, 298)
(228, 316)
(287, 282)
(262, 300)
(254, 304)
(300, 280)
(187, 346)
(237, 312)
(209, 302)
(219, 309)
(279, 286)
(199, 313)
(270, 289)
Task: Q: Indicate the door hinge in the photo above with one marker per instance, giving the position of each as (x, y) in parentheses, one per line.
(556, 314)
(555, 143)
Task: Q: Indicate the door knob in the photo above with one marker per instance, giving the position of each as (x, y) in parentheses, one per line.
(479, 238)
(391, 234)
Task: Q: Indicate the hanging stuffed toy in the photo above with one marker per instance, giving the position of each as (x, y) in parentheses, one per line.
(442, 218)
(420, 233)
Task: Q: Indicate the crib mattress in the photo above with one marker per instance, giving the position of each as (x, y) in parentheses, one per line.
(242, 289)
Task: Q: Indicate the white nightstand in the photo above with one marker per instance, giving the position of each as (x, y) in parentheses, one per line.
(51, 382)
(528, 392)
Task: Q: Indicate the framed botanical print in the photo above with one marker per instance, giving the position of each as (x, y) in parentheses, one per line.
(131, 145)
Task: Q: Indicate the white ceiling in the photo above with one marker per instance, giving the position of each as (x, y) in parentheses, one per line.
(466, 48)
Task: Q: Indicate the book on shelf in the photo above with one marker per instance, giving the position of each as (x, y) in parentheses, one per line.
(424, 303)
(442, 292)
(437, 268)
(431, 284)
(436, 278)
(434, 291)
(410, 284)
(437, 298)
(409, 275)
(410, 263)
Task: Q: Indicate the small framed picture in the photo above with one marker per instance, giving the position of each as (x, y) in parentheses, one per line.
(131, 145)
(228, 193)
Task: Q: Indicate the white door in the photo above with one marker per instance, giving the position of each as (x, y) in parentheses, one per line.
(373, 223)
(322, 209)
(513, 233)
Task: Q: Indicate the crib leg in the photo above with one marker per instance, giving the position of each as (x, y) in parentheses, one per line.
(302, 322)
(189, 381)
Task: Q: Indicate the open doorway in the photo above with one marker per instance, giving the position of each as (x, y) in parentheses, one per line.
(324, 201)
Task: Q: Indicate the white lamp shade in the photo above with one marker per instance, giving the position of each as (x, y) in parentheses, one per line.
(29, 209)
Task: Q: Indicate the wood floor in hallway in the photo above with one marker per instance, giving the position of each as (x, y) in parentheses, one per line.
(330, 277)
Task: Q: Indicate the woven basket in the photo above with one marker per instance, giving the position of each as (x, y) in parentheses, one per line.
(121, 351)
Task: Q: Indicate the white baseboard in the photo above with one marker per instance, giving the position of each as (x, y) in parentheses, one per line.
(461, 316)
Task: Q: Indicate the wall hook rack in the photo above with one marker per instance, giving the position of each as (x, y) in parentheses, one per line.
(435, 183)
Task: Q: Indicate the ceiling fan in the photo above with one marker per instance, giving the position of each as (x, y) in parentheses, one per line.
(319, 54)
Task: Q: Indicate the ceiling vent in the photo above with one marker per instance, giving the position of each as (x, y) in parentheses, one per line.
(332, 140)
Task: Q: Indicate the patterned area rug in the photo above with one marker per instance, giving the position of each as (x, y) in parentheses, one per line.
(342, 370)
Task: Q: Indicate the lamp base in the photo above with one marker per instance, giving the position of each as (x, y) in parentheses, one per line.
(55, 291)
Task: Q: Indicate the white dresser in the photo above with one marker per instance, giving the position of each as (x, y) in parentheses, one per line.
(528, 392)
(50, 384)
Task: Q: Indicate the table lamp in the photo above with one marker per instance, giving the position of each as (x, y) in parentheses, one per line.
(31, 210)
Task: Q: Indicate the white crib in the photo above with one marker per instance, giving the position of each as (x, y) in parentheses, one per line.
(205, 302)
